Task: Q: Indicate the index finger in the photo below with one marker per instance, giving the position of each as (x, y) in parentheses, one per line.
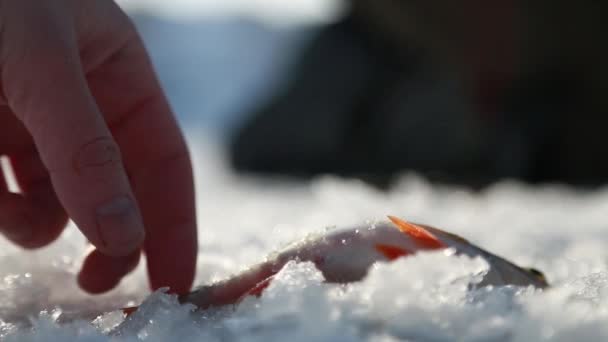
(45, 87)
(157, 162)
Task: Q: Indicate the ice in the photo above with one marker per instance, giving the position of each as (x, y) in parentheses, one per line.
(559, 230)
(426, 297)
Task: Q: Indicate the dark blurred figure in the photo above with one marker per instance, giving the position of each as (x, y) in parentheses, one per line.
(469, 92)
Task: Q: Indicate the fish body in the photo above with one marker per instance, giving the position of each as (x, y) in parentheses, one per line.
(345, 256)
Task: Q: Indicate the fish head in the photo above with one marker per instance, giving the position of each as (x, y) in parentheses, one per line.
(501, 271)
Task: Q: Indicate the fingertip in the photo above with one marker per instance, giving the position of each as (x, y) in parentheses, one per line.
(101, 273)
(18, 230)
(172, 257)
(31, 225)
(95, 284)
(44, 229)
(178, 276)
(180, 285)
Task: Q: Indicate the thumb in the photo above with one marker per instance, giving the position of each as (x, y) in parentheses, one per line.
(46, 88)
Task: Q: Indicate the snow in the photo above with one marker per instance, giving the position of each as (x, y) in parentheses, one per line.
(276, 12)
(419, 298)
(559, 230)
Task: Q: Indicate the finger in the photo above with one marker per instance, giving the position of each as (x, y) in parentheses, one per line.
(159, 168)
(13, 224)
(34, 217)
(14, 137)
(101, 273)
(3, 183)
(43, 216)
(71, 136)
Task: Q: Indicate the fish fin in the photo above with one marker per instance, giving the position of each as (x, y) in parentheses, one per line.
(391, 252)
(130, 310)
(421, 235)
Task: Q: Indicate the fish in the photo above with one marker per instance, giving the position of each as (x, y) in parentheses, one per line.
(345, 256)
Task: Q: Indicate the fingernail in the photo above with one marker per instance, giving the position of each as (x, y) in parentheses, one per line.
(120, 226)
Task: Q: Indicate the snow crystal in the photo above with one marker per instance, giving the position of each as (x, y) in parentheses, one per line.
(426, 297)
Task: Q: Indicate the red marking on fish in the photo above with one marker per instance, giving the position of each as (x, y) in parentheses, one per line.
(260, 287)
(337, 264)
(391, 252)
(422, 236)
(130, 310)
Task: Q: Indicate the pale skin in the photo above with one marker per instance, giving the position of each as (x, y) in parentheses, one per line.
(90, 136)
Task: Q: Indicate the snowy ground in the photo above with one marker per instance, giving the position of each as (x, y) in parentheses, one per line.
(421, 298)
(558, 230)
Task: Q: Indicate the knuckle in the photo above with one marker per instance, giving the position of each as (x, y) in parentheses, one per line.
(97, 158)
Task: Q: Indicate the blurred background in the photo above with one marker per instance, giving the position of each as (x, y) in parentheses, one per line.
(467, 93)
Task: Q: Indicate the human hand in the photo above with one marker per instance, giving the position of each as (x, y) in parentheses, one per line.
(89, 133)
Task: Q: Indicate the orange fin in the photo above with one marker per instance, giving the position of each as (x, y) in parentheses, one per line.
(421, 235)
(391, 252)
